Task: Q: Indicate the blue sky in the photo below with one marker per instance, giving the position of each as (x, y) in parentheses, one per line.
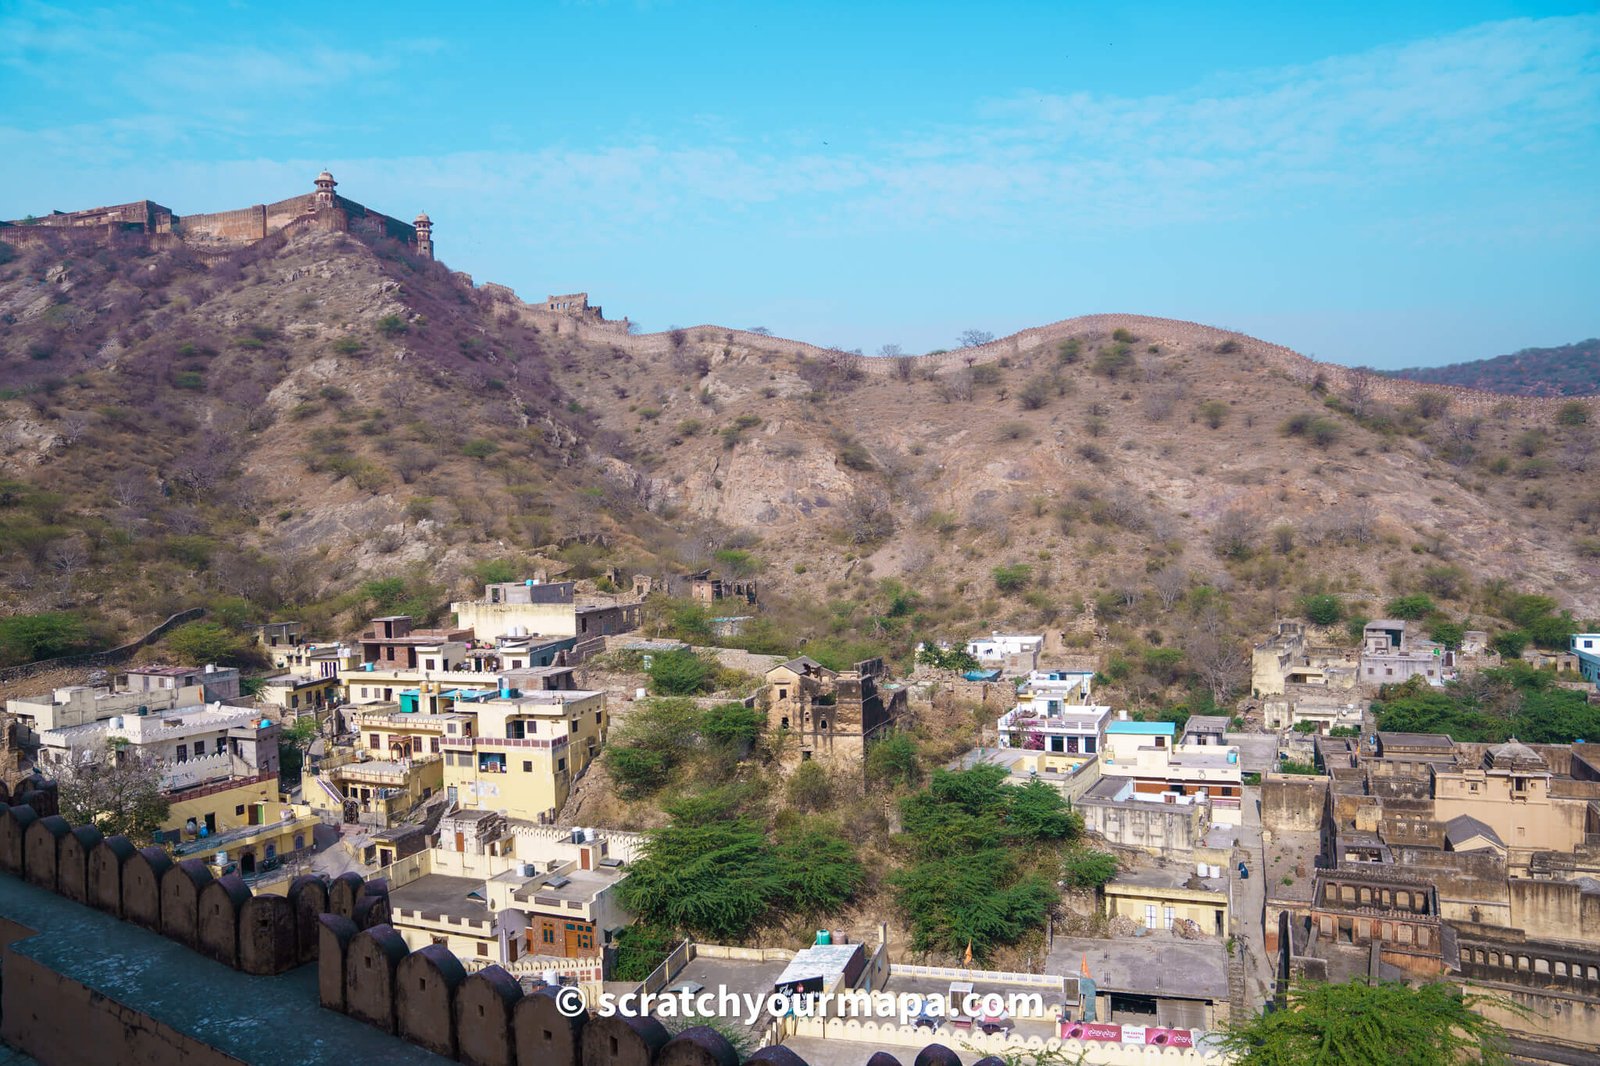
(1379, 184)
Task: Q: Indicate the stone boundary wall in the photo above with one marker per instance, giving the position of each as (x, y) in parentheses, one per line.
(1088, 1052)
(219, 917)
(1166, 332)
(428, 998)
(119, 654)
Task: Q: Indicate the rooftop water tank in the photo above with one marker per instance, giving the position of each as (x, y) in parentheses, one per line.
(552, 978)
(824, 937)
(1233, 756)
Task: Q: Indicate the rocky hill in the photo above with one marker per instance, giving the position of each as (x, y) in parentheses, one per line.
(274, 429)
(1570, 370)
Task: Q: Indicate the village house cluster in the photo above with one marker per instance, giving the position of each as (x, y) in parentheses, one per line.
(438, 762)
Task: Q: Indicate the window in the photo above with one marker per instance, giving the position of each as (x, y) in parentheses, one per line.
(294, 702)
(1149, 915)
(822, 723)
(561, 764)
(1169, 914)
(374, 742)
(183, 753)
(527, 766)
(483, 951)
(549, 935)
(427, 664)
(222, 745)
(239, 809)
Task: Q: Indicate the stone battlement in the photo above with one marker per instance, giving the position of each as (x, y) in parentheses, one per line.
(227, 230)
(1041, 340)
(218, 917)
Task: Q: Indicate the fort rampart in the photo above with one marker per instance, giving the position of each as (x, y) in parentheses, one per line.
(219, 917)
(1041, 342)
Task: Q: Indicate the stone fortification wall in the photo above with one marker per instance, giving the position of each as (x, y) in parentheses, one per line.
(218, 917)
(485, 1018)
(1167, 332)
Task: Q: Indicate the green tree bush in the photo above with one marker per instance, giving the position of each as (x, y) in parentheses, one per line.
(680, 673)
(26, 638)
(1410, 607)
(1323, 609)
(1358, 1024)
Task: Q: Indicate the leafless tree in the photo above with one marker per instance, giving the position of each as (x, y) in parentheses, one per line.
(1158, 403)
(973, 338)
(1127, 586)
(130, 490)
(67, 557)
(115, 789)
(1236, 533)
(1577, 452)
(1171, 583)
(867, 516)
(1358, 395)
(1217, 655)
(957, 386)
(73, 427)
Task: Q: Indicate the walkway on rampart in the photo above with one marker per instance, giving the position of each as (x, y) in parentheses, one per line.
(273, 1021)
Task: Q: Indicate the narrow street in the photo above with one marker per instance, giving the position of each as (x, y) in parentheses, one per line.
(1249, 903)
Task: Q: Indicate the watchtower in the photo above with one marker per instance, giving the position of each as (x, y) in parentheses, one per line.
(424, 227)
(324, 195)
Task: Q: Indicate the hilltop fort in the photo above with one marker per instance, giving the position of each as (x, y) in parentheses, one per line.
(323, 209)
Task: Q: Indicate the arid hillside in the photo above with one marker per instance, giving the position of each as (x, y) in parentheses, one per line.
(278, 428)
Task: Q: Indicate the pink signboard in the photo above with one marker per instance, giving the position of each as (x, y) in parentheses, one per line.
(1127, 1034)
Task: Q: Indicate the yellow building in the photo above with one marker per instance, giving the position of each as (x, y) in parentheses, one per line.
(297, 693)
(525, 751)
(1514, 793)
(242, 830)
(1160, 898)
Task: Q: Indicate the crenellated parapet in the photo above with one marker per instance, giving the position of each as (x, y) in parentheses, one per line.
(219, 917)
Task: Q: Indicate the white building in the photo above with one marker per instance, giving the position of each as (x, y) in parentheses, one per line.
(1012, 653)
(1148, 754)
(193, 745)
(1390, 655)
(1053, 714)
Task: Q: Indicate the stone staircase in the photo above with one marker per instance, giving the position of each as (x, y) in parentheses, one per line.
(1238, 983)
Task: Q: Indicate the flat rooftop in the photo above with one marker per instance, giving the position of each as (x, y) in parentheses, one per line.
(1431, 742)
(1158, 964)
(581, 887)
(439, 895)
(1168, 877)
(270, 1021)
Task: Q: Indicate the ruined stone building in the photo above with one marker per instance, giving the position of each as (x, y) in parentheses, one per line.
(831, 715)
(1479, 863)
(322, 209)
(1287, 661)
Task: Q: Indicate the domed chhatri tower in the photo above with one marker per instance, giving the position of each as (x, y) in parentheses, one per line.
(324, 195)
(424, 227)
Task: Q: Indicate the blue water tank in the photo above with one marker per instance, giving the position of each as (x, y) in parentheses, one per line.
(824, 936)
(1233, 756)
